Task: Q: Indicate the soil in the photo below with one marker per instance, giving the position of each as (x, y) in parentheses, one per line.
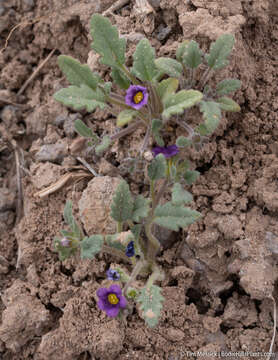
(220, 273)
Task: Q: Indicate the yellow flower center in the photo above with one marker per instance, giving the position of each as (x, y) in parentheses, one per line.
(112, 298)
(138, 97)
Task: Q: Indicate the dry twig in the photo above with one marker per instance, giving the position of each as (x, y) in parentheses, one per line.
(116, 6)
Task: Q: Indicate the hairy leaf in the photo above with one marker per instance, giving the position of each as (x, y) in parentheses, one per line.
(122, 205)
(157, 168)
(76, 73)
(192, 56)
(120, 79)
(167, 87)
(107, 42)
(174, 217)
(181, 50)
(219, 51)
(183, 141)
(227, 86)
(157, 125)
(90, 246)
(126, 116)
(143, 65)
(180, 196)
(211, 113)
(191, 176)
(69, 219)
(136, 230)
(84, 130)
(150, 300)
(177, 103)
(104, 145)
(81, 97)
(228, 104)
(141, 208)
(169, 66)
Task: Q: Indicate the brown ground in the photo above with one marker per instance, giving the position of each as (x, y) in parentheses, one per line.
(221, 273)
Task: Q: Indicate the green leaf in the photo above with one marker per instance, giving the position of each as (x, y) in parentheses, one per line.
(84, 130)
(104, 145)
(219, 51)
(120, 79)
(157, 125)
(180, 196)
(202, 130)
(141, 208)
(228, 104)
(227, 86)
(167, 87)
(107, 42)
(69, 219)
(136, 230)
(174, 217)
(157, 168)
(183, 141)
(63, 252)
(90, 246)
(150, 300)
(181, 50)
(169, 66)
(177, 103)
(122, 205)
(191, 176)
(143, 65)
(76, 73)
(192, 56)
(125, 117)
(81, 97)
(211, 113)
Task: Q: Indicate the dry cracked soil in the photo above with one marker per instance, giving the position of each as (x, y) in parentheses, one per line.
(220, 273)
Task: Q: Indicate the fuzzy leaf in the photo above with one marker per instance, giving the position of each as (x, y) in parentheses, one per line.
(174, 217)
(90, 246)
(81, 97)
(125, 117)
(150, 300)
(228, 104)
(183, 141)
(219, 51)
(136, 230)
(157, 125)
(104, 145)
(69, 219)
(169, 66)
(107, 42)
(141, 208)
(157, 168)
(84, 130)
(191, 176)
(167, 87)
(120, 79)
(143, 64)
(177, 103)
(76, 73)
(122, 205)
(181, 50)
(192, 56)
(211, 113)
(227, 86)
(180, 196)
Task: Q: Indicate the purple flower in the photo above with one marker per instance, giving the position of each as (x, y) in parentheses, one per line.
(113, 275)
(130, 249)
(136, 96)
(168, 151)
(64, 242)
(111, 300)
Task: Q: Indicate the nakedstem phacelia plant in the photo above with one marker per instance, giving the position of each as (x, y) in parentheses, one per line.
(150, 94)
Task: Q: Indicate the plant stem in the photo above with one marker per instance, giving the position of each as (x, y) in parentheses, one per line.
(160, 193)
(205, 77)
(157, 274)
(152, 192)
(129, 75)
(138, 267)
(125, 131)
(154, 244)
(146, 140)
(119, 226)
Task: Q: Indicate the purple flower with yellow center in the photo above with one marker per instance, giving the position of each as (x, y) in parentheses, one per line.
(168, 151)
(136, 96)
(111, 300)
(113, 275)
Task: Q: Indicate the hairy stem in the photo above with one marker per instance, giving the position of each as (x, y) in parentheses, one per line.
(146, 140)
(157, 274)
(119, 226)
(126, 131)
(205, 78)
(138, 267)
(129, 75)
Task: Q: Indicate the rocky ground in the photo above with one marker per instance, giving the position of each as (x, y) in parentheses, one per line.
(221, 273)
